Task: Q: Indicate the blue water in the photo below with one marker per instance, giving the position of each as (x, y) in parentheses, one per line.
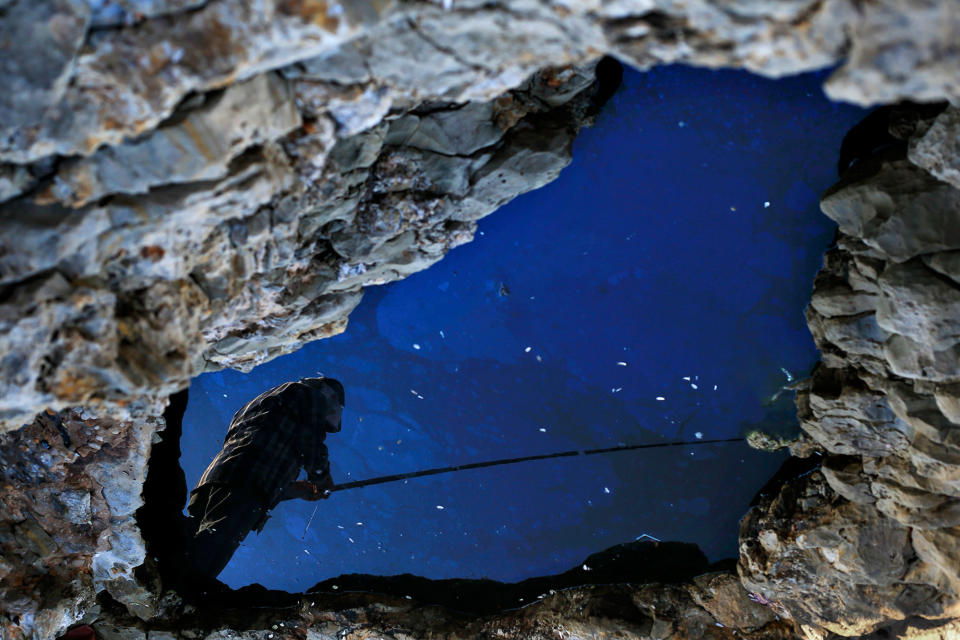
(673, 259)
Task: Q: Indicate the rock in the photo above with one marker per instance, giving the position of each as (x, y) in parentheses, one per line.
(833, 564)
(724, 598)
(38, 44)
(848, 418)
(918, 303)
(197, 147)
(900, 210)
(938, 149)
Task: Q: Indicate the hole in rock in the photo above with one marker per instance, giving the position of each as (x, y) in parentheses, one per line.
(655, 291)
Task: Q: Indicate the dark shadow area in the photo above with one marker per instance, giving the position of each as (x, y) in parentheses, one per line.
(631, 563)
(883, 132)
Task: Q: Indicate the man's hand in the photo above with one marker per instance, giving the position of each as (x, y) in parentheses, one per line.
(308, 491)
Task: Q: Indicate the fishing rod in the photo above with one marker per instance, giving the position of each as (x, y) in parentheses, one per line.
(493, 463)
(357, 484)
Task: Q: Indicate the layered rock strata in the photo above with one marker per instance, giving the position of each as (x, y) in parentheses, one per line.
(187, 185)
(210, 180)
(872, 536)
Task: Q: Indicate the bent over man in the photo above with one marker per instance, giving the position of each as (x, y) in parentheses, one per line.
(269, 440)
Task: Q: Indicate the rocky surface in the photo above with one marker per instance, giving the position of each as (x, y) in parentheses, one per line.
(323, 147)
(872, 536)
(187, 185)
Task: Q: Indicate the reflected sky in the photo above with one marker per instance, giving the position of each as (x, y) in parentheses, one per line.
(655, 290)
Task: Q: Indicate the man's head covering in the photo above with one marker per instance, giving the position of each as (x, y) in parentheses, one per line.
(327, 384)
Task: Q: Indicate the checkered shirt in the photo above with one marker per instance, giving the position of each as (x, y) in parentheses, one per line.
(270, 439)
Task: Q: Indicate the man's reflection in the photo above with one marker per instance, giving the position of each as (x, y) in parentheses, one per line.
(269, 440)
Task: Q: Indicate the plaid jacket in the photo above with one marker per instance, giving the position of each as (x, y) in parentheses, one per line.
(269, 440)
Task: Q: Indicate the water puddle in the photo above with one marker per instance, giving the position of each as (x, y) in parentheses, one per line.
(654, 291)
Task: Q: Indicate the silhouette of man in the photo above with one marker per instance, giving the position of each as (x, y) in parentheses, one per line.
(269, 440)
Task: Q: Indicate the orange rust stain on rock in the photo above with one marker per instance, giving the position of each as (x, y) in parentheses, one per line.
(197, 139)
(152, 252)
(72, 386)
(313, 11)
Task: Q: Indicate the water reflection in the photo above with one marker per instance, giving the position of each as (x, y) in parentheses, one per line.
(269, 442)
(682, 242)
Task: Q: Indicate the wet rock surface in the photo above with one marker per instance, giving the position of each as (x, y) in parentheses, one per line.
(187, 185)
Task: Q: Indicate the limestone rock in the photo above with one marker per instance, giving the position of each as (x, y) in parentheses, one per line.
(198, 148)
(858, 568)
(938, 149)
(900, 210)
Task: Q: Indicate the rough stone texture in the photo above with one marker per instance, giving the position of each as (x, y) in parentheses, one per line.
(71, 485)
(872, 537)
(187, 185)
(119, 117)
